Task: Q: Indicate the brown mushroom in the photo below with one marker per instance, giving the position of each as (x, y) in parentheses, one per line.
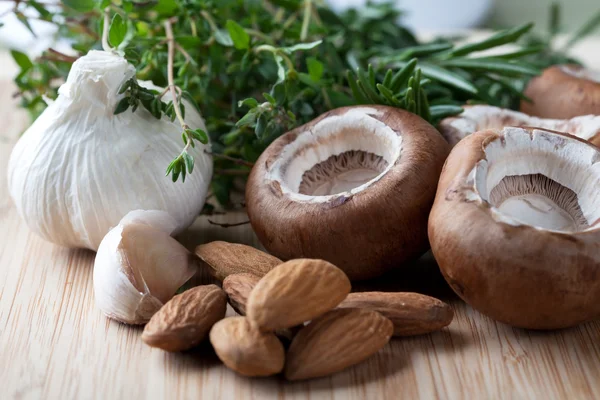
(353, 187)
(481, 117)
(515, 226)
(563, 91)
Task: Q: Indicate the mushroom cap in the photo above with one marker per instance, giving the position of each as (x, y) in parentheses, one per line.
(563, 91)
(501, 259)
(482, 117)
(367, 229)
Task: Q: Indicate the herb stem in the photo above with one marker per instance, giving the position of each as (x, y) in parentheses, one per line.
(276, 52)
(210, 20)
(187, 56)
(171, 80)
(237, 161)
(193, 27)
(105, 30)
(259, 34)
(62, 56)
(234, 172)
(228, 225)
(306, 19)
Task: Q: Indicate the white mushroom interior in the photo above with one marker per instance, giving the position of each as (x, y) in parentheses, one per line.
(583, 73)
(541, 179)
(340, 154)
(481, 117)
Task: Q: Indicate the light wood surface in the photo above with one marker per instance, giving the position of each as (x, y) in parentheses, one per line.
(55, 344)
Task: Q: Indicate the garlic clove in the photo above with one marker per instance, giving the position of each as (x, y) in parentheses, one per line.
(157, 219)
(139, 267)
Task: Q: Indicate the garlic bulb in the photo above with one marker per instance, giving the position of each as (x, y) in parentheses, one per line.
(79, 168)
(139, 267)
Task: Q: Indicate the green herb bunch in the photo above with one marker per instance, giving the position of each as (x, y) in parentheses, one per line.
(256, 69)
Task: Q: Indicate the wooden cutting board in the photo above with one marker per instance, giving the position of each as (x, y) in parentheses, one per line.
(55, 344)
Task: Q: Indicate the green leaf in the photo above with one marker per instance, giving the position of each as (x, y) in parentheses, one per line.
(117, 30)
(22, 60)
(357, 93)
(176, 170)
(400, 78)
(415, 51)
(497, 39)
(81, 5)
(278, 93)
(492, 65)
(525, 51)
(315, 68)
(44, 14)
(447, 77)
(155, 108)
(247, 119)
(364, 83)
(249, 102)
(23, 19)
(261, 124)
(387, 79)
(270, 98)
(301, 46)
(388, 94)
(241, 39)
(222, 37)
(189, 162)
(200, 135)
(122, 105)
(166, 7)
(188, 41)
(442, 111)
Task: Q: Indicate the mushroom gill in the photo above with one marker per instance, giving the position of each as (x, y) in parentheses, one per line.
(540, 179)
(539, 201)
(341, 173)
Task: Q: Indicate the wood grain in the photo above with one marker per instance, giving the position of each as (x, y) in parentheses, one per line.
(55, 344)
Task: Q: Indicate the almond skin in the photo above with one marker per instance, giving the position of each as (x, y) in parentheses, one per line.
(226, 258)
(337, 340)
(411, 313)
(186, 319)
(245, 349)
(295, 292)
(238, 288)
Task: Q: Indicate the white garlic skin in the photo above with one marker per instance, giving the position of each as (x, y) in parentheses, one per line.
(139, 267)
(79, 168)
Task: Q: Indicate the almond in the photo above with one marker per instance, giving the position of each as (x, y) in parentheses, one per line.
(295, 292)
(411, 313)
(238, 288)
(337, 340)
(185, 320)
(245, 349)
(226, 258)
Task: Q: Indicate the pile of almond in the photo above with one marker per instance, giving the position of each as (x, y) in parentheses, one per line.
(304, 306)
